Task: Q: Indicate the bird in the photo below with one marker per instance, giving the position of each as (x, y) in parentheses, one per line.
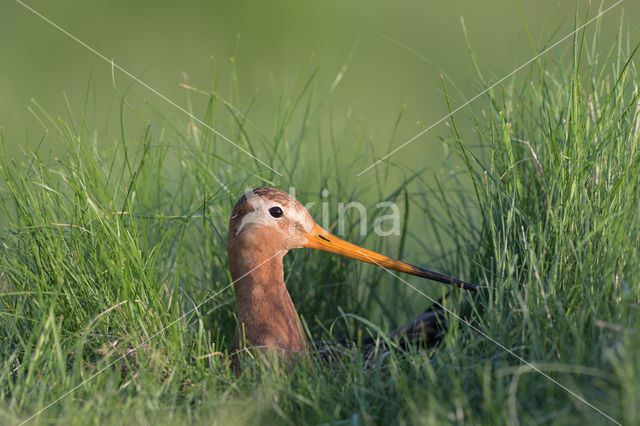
(264, 225)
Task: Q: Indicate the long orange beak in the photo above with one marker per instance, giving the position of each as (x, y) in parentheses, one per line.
(323, 240)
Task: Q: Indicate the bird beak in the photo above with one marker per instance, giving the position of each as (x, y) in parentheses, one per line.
(320, 239)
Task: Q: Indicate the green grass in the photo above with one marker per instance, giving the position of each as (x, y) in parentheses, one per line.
(106, 245)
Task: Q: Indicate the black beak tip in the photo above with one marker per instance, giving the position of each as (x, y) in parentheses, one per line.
(468, 286)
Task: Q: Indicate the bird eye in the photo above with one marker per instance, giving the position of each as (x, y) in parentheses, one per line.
(276, 211)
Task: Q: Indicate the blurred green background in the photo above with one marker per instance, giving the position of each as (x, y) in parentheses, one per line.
(163, 42)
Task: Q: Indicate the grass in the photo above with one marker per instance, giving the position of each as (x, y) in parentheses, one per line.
(108, 251)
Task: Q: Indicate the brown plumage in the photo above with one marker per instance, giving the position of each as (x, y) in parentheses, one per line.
(265, 224)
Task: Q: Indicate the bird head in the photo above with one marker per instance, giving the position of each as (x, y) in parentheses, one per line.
(267, 218)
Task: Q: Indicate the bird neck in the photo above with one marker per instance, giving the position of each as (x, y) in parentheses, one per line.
(267, 318)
